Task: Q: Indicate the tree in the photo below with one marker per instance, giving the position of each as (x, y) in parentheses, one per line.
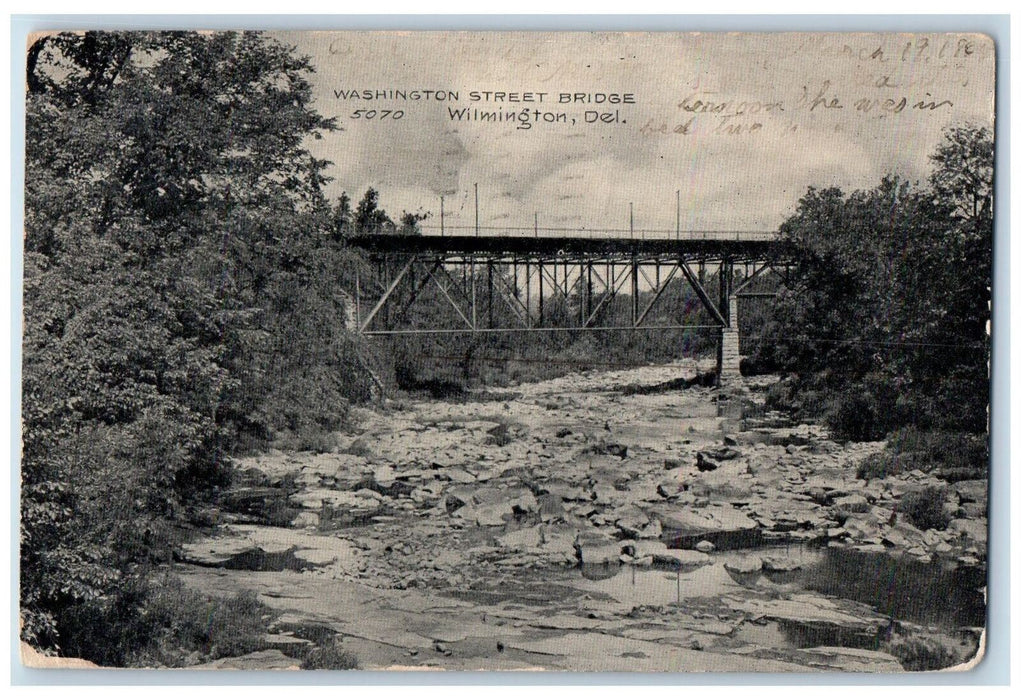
(343, 219)
(963, 177)
(369, 218)
(889, 299)
(173, 218)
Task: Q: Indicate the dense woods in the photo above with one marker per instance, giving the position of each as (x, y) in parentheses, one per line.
(184, 300)
(180, 299)
(883, 326)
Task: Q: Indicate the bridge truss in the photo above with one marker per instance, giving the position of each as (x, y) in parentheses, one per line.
(554, 283)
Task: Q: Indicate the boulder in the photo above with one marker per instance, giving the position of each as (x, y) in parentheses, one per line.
(671, 488)
(707, 520)
(851, 659)
(635, 524)
(720, 454)
(972, 491)
(862, 527)
(646, 549)
(490, 506)
(728, 483)
(855, 503)
(606, 447)
(819, 495)
(975, 530)
(594, 549)
(558, 542)
(305, 519)
(683, 559)
(705, 546)
(521, 540)
(565, 491)
(703, 464)
(744, 565)
(551, 508)
(779, 564)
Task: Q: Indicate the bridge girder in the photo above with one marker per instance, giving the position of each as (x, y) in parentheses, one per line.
(588, 274)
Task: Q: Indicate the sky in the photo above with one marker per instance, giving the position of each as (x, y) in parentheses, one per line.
(719, 131)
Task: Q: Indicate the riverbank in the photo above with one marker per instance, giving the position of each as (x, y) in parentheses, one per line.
(630, 521)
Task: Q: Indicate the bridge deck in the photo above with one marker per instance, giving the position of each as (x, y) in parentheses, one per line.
(760, 247)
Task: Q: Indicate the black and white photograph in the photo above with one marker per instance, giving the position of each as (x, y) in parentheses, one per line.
(506, 351)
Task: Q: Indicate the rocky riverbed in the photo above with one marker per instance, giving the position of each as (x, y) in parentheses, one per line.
(634, 520)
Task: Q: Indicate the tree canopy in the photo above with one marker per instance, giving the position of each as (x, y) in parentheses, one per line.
(890, 293)
(177, 266)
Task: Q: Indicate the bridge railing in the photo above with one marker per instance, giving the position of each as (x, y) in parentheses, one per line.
(602, 233)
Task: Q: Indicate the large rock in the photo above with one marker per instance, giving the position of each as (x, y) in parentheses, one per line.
(854, 503)
(744, 565)
(683, 559)
(564, 490)
(711, 519)
(975, 530)
(645, 551)
(903, 535)
(728, 483)
(521, 540)
(851, 660)
(265, 660)
(557, 542)
(973, 491)
(490, 506)
(703, 464)
(779, 564)
(593, 547)
(720, 454)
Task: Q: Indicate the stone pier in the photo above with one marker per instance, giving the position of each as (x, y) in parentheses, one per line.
(728, 359)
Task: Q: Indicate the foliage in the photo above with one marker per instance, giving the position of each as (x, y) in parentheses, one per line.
(180, 271)
(162, 623)
(329, 657)
(927, 507)
(889, 300)
(951, 456)
(920, 652)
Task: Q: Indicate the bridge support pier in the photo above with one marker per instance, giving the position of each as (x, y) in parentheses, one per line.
(728, 355)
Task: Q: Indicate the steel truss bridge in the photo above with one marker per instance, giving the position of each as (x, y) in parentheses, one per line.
(562, 282)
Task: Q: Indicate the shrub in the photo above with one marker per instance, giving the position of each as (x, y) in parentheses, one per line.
(329, 657)
(855, 416)
(923, 654)
(163, 623)
(926, 508)
(952, 456)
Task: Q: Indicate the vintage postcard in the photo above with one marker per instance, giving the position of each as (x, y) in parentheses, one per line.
(506, 351)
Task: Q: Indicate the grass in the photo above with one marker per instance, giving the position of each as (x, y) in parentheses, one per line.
(162, 623)
(950, 456)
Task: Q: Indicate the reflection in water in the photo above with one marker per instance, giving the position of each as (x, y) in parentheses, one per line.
(600, 572)
(936, 594)
(904, 589)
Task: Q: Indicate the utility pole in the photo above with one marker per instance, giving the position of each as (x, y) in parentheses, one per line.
(476, 209)
(678, 228)
(536, 224)
(441, 214)
(631, 210)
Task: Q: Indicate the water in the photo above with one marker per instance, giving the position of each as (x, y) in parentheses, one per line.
(936, 594)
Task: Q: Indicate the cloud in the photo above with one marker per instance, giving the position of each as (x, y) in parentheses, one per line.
(742, 165)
